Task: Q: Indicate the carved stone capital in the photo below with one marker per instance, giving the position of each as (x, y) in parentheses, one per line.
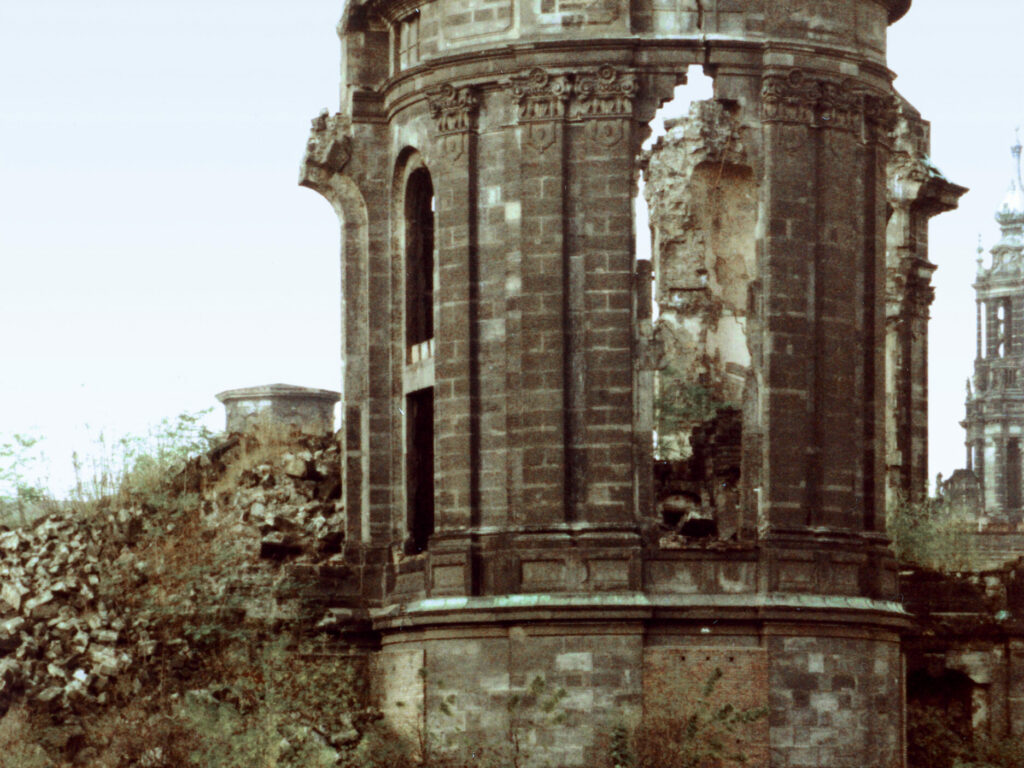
(881, 112)
(544, 97)
(789, 98)
(823, 102)
(453, 109)
(540, 95)
(840, 106)
(606, 92)
(328, 150)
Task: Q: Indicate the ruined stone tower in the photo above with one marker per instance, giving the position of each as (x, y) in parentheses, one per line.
(507, 520)
(995, 402)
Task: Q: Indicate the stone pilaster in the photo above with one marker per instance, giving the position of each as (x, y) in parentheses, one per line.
(538, 435)
(824, 253)
(456, 343)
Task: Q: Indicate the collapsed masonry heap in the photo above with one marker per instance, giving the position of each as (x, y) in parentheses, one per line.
(98, 606)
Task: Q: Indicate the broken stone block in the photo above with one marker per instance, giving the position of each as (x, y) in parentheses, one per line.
(55, 671)
(346, 734)
(50, 694)
(105, 661)
(76, 691)
(10, 671)
(146, 648)
(10, 633)
(280, 522)
(295, 466)
(41, 606)
(80, 642)
(107, 636)
(277, 545)
(335, 618)
(12, 593)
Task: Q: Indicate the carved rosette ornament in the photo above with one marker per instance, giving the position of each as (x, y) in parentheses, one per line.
(328, 150)
(453, 110)
(820, 102)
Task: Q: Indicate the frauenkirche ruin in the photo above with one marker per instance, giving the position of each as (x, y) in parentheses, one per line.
(510, 515)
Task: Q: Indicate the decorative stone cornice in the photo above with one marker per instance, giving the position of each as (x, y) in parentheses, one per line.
(823, 102)
(328, 150)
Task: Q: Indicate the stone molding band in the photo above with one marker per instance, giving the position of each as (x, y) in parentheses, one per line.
(836, 610)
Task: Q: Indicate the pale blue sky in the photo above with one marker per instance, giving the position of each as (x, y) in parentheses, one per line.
(155, 248)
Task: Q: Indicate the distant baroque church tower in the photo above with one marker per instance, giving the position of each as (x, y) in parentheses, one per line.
(995, 398)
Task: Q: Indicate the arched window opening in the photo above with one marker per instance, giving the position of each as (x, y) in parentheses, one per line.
(1013, 474)
(1007, 326)
(419, 420)
(1001, 328)
(418, 374)
(419, 262)
(982, 331)
(993, 328)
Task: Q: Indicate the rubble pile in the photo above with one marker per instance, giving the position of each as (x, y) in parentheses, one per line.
(92, 601)
(63, 643)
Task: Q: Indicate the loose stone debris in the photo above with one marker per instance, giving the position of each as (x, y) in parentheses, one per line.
(90, 599)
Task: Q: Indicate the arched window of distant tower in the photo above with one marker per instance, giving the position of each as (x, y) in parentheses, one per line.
(1013, 474)
(1006, 329)
(1001, 329)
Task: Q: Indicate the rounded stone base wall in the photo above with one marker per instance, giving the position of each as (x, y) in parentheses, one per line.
(557, 680)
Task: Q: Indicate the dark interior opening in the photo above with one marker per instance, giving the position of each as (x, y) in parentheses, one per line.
(938, 717)
(419, 419)
(419, 258)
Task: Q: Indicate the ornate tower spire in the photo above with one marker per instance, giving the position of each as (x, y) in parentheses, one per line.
(1007, 253)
